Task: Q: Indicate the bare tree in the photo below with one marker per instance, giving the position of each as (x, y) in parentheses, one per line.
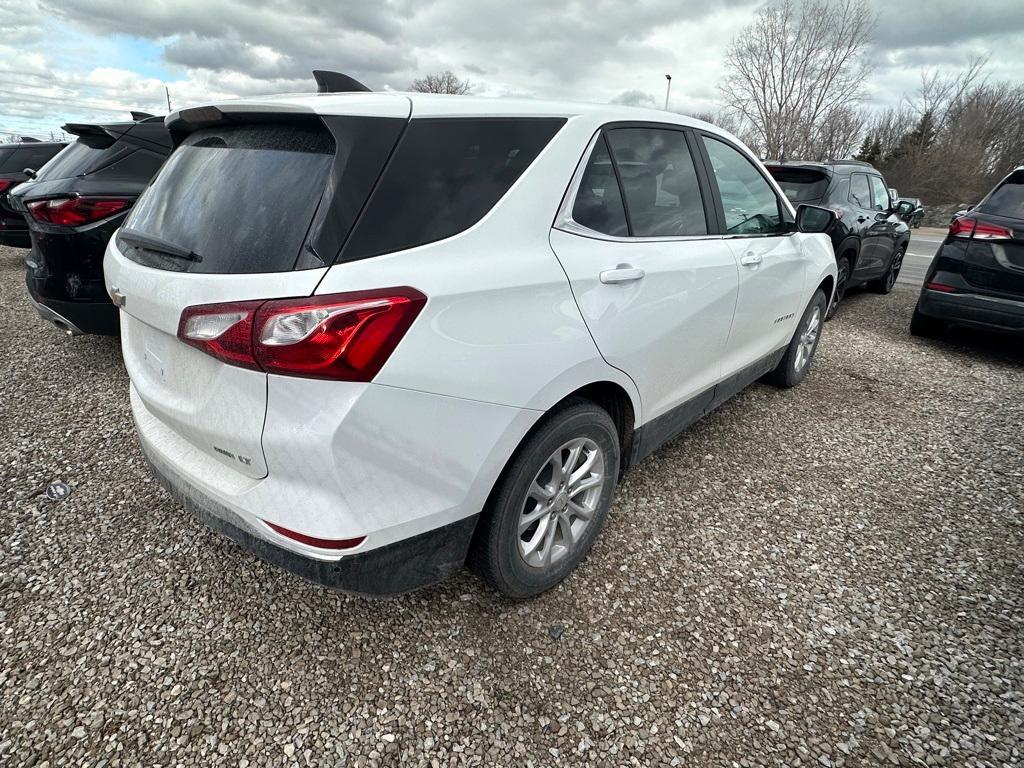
(794, 75)
(442, 82)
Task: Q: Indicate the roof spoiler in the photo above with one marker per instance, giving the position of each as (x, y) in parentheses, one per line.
(336, 82)
(138, 115)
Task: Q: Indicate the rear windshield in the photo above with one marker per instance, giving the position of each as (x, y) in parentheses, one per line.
(17, 159)
(240, 197)
(79, 158)
(446, 174)
(1007, 199)
(800, 185)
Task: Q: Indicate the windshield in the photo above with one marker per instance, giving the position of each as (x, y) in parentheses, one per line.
(242, 197)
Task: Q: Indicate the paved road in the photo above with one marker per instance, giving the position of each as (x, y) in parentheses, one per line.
(924, 243)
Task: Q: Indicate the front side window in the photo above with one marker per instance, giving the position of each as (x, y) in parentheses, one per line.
(860, 194)
(659, 181)
(598, 204)
(444, 176)
(880, 193)
(749, 202)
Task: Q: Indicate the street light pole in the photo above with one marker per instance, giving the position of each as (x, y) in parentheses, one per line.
(668, 89)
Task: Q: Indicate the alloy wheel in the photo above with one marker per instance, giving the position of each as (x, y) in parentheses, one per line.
(894, 270)
(808, 341)
(561, 502)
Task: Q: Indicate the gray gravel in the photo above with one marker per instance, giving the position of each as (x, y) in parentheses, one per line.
(827, 576)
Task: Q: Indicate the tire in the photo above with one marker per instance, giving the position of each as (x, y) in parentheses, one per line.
(925, 326)
(887, 282)
(520, 562)
(842, 282)
(795, 363)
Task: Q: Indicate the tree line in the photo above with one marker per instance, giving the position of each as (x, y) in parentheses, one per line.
(794, 89)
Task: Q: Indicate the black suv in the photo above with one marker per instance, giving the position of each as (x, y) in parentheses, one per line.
(869, 236)
(977, 276)
(74, 205)
(18, 162)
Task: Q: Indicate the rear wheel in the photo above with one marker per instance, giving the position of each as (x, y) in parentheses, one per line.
(550, 504)
(925, 326)
(794, 365)
(885, 283)
(842, 281)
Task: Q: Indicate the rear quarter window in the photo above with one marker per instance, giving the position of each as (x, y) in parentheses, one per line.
(445, 175)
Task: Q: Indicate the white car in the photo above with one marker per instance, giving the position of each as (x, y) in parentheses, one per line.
(373, 337)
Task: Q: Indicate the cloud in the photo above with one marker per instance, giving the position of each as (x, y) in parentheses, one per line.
(634, 98)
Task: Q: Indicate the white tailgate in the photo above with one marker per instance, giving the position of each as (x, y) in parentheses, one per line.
(218, 408)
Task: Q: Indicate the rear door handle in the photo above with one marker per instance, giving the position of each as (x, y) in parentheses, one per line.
(750, 259)
(623, 273)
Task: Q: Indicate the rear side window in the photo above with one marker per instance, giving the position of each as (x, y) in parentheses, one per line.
(1007, 199)
(445, 175)
(659, 181)
(240, 197)
(598, 205)
(801, 185)
(860, 194)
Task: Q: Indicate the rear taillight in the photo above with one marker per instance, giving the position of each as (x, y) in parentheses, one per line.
(344, 336)
(979, 230)
(221, 330)
(941, 287)
(5, 184)
(75, 211)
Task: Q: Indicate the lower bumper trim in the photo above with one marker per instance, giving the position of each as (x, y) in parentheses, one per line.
(406, 565)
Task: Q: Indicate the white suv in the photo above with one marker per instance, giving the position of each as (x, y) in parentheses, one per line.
(373, 337)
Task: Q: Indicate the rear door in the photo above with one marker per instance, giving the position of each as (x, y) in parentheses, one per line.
(656, 287)
(758, 229)
(251, 204)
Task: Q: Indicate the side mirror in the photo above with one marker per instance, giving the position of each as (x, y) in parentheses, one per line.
(903, 208)
(813, 218)
(29, 173)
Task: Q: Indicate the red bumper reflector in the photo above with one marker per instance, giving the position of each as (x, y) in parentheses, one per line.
(313, 541)
(940, 287)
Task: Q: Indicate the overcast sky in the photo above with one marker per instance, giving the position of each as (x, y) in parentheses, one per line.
(86, 60)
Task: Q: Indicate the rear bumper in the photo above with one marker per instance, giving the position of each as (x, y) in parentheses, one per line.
(976, 310)
(390, 570)
(75, 317)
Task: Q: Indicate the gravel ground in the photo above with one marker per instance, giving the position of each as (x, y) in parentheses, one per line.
(826, 576)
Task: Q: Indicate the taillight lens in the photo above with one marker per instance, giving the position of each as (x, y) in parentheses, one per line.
(941, 287)
(345, 336)
(979, 230)
(986, 231)
(75, 211)
(221, 330)
(5, 184)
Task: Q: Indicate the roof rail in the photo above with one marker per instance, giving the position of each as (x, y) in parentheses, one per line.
(835, 161)
(336, 82)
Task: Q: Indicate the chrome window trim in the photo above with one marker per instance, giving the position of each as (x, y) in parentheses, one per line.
(564, 221)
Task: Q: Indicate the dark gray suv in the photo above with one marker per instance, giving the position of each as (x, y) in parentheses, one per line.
(869, 236)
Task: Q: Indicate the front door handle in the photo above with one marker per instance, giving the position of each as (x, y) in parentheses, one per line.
(623, 273)
(750, 259)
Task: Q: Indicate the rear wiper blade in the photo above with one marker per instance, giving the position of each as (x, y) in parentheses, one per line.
(158, 244)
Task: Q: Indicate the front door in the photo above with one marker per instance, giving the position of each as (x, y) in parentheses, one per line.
(767, 252)
(657, 290)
